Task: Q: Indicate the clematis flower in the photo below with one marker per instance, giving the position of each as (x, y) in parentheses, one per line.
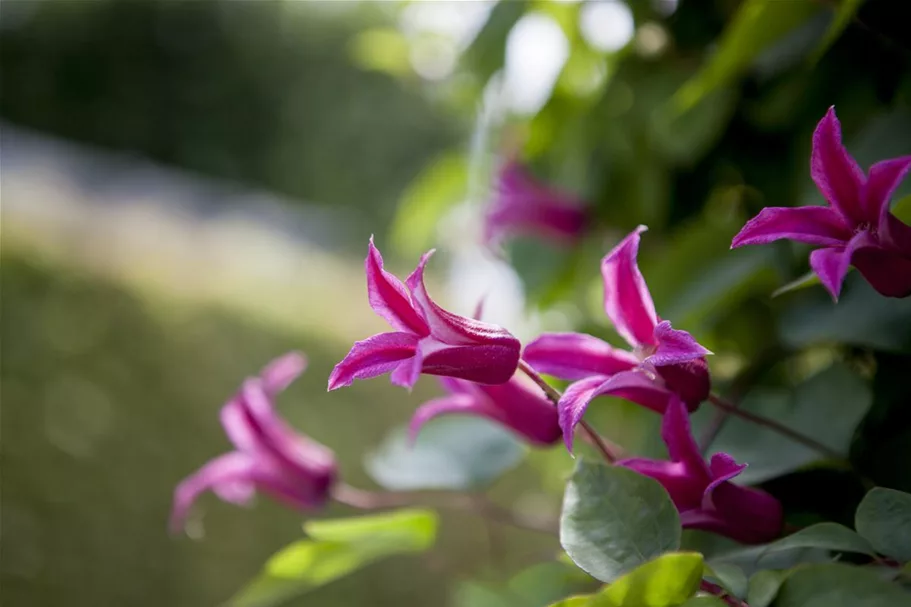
(524, 205)
(427, 338)
(269, 456)
(664, 362)
(518, 405)
(703, 493)
(855, 228)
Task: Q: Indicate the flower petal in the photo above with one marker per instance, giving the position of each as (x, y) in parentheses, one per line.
(690, 381)
(408, 371)
(230, 474)
(751, 516)
(481, 363)
(576, 355)
(373, 356)
(627, 301)
(835, 172)
(388, 296)
(723, 468)
(813, 225)
(832, 264)
(454, 403)
(674, 346)
(882, 182)
(524, 408)
(634, 386)
(279, 373)
(678, 436)
(888, 272)
(684, 488)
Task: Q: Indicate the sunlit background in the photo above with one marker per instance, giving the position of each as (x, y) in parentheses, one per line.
(188, 190)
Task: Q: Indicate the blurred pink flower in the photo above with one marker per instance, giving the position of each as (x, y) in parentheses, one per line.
(518, 405)
(855, 228)
(428, 339)
(524, 205)
(703, 493)
(664, 362)
(269, 455)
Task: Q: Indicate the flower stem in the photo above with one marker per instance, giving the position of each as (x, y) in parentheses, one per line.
(732, 409)
(474, 502)
(608, 450)
(721, 593)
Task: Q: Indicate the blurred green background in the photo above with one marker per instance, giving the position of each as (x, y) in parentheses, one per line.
(187, 191)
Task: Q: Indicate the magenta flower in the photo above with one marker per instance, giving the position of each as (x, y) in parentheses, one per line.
(703, 494)
(664, 362)
(524, 205)
(269, 456)
(427, 339)
(518, 405)
(856, 228)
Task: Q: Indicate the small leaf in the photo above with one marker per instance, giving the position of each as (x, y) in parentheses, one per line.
(614, 520)
(336, 548)
(884, 518)
(664, 582)
(763, 587)
(838, 585)
(807, 280)
(450, 453)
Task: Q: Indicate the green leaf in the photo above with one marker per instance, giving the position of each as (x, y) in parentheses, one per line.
(902, 209)
(884, 518)
(838, 585)
(335, 549)
(450, 453)
(843, 16)
(757, 25)
(440, 185)
(836, 389)
(666, 581)
(614, 520)
(763, 587)
(730, 576)
(809, 279)
(704, 601)
(828, 536)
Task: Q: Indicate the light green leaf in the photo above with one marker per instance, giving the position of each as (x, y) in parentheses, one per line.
(764, 587)
(902, 209)
(666, 581)
(838, 585)
(440, 185)
(884, 518)
(450, 453)
(837, 388)
(614, 520)
(335, 549)
(757, 25)
(842, 18)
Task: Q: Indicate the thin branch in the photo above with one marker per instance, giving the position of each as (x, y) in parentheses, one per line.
(476, 503)
(721, 593)
(609, 451)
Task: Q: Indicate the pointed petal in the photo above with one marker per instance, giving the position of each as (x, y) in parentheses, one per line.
(627, 301)
(678, 436)
(633, 386)
(455, 403)
(674, 346)
(373, 356)
(407, 372)
(832, 264)
(229, 474)
(454, 330)
(812, 225)
(279, 373)
(684, 488)
(576, 355)
(723, 468)
(482, 363)
(883, 180)
(388, 296)
(835, 172)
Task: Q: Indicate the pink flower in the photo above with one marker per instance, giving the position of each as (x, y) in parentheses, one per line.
(524, 205)
(856, 228)
(518, 405)
(427, 338)
(664, 362)
(703, 494)
(269, 456)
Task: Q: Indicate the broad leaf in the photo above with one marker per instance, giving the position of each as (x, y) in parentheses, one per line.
(450, 453)
(838, 585)
(615, 519)
(763, 587)
(335, 549)
(884, 518)
(730, 576)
